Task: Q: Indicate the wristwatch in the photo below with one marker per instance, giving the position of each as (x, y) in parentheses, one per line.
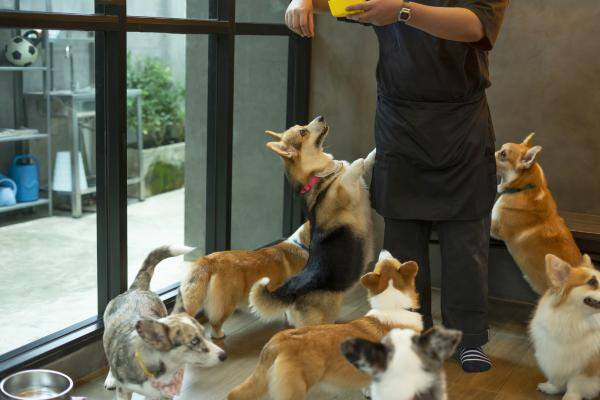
(405, 12)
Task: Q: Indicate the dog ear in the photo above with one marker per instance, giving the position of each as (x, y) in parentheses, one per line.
(370, 281)
(280, 149)
(409, 270)
(154, 333)
(558, 270)
(384, 255)
(528, 140)
(368, 357)
(437, 344)
(587, 261)
(276, 136)
(528, 158)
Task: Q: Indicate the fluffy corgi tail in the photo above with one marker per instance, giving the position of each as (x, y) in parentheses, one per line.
(144, 275)
(264, 303)
(256, 385)
(192, 291)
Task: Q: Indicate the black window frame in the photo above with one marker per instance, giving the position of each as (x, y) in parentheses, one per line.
(111, 23)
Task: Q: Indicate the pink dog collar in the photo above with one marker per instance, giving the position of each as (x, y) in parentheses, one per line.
(312, 181)
(169, 389)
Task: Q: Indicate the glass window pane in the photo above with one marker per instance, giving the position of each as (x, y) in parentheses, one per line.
(259, 104)
(48, 251)
(264, 11)
(169, 8)
(70, 6)
(167, 132)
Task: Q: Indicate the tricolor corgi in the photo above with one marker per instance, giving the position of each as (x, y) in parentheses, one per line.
(339, 211)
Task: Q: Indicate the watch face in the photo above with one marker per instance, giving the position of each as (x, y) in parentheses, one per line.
(404, 14)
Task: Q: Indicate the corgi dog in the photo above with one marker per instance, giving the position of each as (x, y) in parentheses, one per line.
(566, 330)
(525, 216)
(405, 365)
(220, 282)
(338, 208)
(296, 360)
(146, 348)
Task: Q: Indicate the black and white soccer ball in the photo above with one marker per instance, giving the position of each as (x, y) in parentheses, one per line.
(21, 52)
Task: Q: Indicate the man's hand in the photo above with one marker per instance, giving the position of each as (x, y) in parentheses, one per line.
(299, 17)
(377, 12)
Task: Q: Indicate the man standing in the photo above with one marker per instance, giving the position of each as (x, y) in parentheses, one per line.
(435, 145)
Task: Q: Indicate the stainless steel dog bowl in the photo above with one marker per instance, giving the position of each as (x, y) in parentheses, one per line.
(36, 384)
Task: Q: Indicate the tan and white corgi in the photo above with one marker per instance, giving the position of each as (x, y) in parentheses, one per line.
(525, 216)
(339, 211)
(220, 282)
(566, 330)
(296, 360)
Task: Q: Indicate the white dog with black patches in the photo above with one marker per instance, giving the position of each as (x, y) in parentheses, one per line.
(405, 365)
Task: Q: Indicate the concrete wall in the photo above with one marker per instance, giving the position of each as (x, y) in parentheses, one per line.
(260, 96)
(343, 84)
(259, 104)
(545, 73)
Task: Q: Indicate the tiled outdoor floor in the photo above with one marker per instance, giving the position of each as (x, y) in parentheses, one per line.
(48, 265)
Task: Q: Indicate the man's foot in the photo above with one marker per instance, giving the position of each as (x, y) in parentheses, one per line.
(473, 359)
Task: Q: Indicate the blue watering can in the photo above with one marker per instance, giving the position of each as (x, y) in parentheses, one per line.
(25, 172)
(8, 192)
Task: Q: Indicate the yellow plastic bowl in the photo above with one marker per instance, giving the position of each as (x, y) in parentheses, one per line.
(338, 7)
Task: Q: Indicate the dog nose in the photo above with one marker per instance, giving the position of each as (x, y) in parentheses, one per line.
(222, 356)
(320, 118)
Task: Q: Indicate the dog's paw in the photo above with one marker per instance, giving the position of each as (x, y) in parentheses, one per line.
(370, 160)
(264, 281)
(110, 383)
(548, 388)
(366, 392)
(572, 396)
(358, 166)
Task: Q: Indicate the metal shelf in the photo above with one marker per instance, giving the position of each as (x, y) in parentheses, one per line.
(19, 138)
(27, 204)
(73, 39)
(16, 69)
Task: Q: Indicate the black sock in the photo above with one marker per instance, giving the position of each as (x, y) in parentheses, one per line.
(473, 359)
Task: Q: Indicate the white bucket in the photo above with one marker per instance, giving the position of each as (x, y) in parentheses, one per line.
(62, 173)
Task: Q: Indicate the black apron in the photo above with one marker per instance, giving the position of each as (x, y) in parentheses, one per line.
(433, 129)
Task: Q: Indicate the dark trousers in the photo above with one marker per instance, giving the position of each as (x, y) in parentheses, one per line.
(465, 247)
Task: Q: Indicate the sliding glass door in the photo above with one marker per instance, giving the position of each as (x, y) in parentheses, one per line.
(130, 124)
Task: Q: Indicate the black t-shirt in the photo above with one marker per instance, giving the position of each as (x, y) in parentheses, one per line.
(433, 130)
(414, 65)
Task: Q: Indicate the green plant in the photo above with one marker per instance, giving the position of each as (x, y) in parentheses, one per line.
(164, 177)
(162, 101)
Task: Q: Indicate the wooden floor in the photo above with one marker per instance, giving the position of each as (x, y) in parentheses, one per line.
(514, 375)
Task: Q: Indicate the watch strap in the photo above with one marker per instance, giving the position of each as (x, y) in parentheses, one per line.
(405, 12)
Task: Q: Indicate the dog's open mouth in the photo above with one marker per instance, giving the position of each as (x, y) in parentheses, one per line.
(321, 137)
(592, 302)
